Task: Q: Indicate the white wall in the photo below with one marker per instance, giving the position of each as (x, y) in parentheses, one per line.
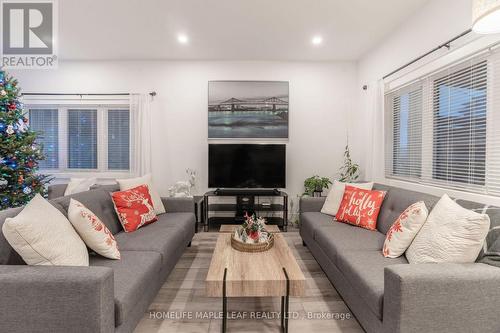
(321, 99)
(437, 22)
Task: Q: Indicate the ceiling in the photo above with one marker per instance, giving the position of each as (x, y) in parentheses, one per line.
(226, 29)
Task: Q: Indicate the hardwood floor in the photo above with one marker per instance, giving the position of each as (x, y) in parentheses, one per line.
(181, 304)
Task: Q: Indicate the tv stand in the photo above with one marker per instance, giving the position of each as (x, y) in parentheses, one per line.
(272, 204)
(238, 191)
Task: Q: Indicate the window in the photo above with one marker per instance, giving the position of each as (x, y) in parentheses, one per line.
(459, 115)
(442, 129)
(118, 139)
(406, 106)
(46, 122)
(83, 138)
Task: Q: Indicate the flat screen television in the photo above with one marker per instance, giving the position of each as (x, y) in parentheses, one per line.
(261, 166)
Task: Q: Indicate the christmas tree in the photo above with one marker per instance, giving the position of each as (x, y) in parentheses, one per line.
(19, 151)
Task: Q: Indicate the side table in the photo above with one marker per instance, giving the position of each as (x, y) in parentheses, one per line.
(198, 210)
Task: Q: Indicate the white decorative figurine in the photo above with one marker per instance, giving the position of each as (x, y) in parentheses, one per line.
(183, 188)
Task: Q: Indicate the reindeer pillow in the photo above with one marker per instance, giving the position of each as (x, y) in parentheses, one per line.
(127, 184)
(134, 207)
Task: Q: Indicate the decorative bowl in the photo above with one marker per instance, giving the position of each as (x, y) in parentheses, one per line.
(252, 247)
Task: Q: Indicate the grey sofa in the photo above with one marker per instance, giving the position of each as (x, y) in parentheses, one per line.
(390, 295)
(107, 296)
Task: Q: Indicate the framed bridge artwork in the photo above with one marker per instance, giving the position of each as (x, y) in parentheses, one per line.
(248, 110)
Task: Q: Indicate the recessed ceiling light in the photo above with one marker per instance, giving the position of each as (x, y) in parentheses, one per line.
(183, 39)
(317, 40)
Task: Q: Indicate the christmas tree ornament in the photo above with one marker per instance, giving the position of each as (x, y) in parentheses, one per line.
(22, 126)
(26, 190)
(3, 182)
(3, 92)
(10, 130)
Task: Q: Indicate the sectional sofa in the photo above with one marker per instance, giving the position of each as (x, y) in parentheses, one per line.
(109, 295)
(390, 295)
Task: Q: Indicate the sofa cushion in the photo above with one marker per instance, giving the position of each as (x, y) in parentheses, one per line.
(133, 274)
(396, 201)
(340, 237)
(360, 207)
(134, 207)
(42, 235)
(450, 234)
(100, 203)
(92, 231)
(165, 236)
(311, 221)
(106, 187)
(77, 185)
(334, 198)
(365, 272)
(404, 230)
(8, 256)
(129, 183)
(491, 248)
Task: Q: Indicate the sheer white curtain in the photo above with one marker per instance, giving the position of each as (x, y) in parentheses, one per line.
(375, 107)
(140, 113)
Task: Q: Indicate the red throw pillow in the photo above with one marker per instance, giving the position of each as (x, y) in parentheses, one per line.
(134, 207)
(360, 207)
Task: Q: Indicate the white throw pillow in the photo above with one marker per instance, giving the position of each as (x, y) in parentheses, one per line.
(451, 234)
(93, 232)
(42, 235)
(404, 230)
(127, 184)
(334, 198)
(77, 185)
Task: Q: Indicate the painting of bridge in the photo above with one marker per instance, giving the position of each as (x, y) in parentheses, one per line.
(247, 109)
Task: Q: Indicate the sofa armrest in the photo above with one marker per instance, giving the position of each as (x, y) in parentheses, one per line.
(178, 205)
(56, 191)
(56, 299)
(311, 204)
(441, 298)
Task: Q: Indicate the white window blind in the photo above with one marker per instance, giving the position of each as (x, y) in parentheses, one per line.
(405, 107)
(46, 123)
(118, 139)
(444, 128)
(83, 138)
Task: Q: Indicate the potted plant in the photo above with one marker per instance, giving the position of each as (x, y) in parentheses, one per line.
(349, 171)
(316, 184)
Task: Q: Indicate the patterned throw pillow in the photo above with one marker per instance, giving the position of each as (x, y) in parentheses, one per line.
(129, 183)
(334, 198)
(134, 207)
(404, 230)
(93, 232)
(360, 207)
(451, 234)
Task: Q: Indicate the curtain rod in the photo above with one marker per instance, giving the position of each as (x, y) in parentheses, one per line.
(152, 94)
(445, 44)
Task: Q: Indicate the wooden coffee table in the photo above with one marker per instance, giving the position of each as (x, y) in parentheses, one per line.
(273, 273)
